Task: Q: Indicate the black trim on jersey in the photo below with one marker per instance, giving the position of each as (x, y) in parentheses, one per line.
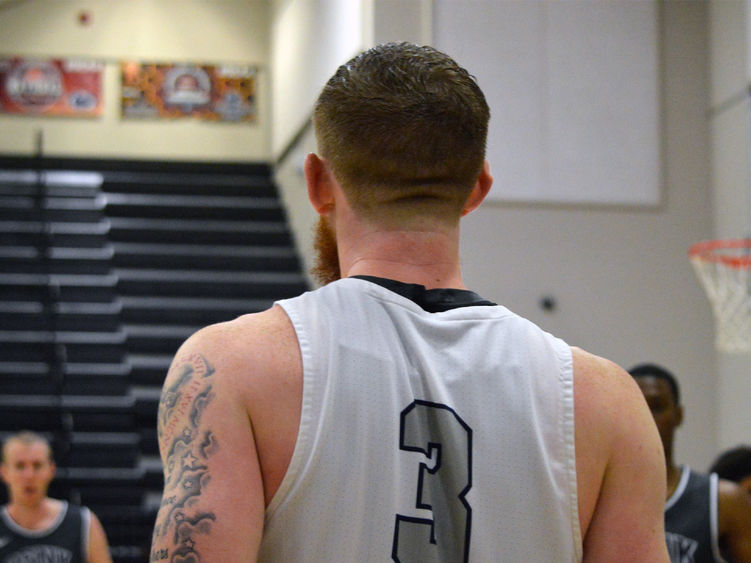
(431, 300)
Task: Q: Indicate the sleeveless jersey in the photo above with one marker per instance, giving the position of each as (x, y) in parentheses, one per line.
(65, 541)
(691, 519)
(426, 436)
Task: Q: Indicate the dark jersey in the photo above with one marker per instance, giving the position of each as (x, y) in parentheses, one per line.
(65, 541)
(691, 519)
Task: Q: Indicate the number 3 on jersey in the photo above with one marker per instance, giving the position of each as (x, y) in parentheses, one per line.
(441, 435)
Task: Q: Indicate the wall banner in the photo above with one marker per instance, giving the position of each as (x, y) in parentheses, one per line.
(65, 87)
(169, 91)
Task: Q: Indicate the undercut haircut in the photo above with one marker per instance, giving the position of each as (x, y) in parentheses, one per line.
(400, 121)
(659, 372)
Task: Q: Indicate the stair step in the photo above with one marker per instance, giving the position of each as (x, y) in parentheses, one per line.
(104, 449)
(67, 287)
(75, 209)
(56, 179)
(86, 317)
(197, 184)
(44, 412)
(96, 487)
(156, 339)
(28, 259)
(198, 311)
(204, 257)
(96, 347)
(32, 315)
(124, 229)
(36, 233)
(129, 530)
(23, 315)
(147, 405)
(254, 285)
(36, 190)
(19, 378)
(149, 441)
(149, 369)
(191, 207)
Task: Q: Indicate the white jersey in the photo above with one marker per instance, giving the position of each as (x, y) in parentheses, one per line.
(426, 436)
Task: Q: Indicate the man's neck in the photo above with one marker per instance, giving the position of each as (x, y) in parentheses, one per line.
(420, 257)
(37, 516)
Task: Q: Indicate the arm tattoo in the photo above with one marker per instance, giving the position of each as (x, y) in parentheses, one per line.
(187, 448)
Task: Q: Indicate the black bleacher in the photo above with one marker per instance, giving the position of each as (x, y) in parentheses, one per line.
(105, 268)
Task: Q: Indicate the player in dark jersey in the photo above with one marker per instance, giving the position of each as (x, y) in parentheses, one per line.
(706, 518)
(34, 527)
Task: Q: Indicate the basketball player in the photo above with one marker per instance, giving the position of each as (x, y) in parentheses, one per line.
(705, 517)
(393, 413)
(734, 465)
(35, 527)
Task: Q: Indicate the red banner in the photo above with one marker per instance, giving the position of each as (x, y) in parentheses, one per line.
(166, 91)
(66, 87)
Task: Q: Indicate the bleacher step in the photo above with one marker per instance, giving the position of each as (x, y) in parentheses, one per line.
(176, 206)
(254, 285)
(37, 233)
(207, 231)
(175, 310)
(204, 257)
(71, 287)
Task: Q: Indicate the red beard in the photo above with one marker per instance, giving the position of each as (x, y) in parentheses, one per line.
(326, 268)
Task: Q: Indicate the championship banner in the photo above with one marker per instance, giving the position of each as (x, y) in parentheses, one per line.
(66, 87)
(168, 91)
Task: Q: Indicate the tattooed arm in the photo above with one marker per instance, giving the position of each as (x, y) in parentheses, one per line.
(213, 501)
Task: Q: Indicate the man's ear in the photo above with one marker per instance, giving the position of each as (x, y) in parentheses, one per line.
(318, 178)
(480, 190)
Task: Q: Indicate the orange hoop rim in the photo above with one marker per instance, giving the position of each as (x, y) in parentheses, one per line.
(706, 251)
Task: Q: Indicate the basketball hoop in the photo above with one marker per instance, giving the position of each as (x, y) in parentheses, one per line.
(724, 269)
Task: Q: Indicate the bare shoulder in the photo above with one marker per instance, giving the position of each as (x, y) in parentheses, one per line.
(620, 464)
(231, 343)
(215, 390)
(607, 396)
(598, 378)
(599, 387)
(235, 356)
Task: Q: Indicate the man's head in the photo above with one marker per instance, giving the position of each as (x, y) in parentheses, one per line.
(735, 465)
(27, 467)
(403, 122)
(402, 129)
(661, 390)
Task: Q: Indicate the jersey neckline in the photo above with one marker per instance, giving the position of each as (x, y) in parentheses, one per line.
(29, 533)
(431, 300)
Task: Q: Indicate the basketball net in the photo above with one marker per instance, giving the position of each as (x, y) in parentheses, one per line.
(724, 270)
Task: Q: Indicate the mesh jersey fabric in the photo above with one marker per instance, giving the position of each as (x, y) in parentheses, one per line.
(442, 436)
(691, 519)
(66, 539)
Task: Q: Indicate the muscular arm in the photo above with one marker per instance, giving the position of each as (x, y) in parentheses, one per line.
(213, 504)
(734, 521)
(620, 465)
(98, 549)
